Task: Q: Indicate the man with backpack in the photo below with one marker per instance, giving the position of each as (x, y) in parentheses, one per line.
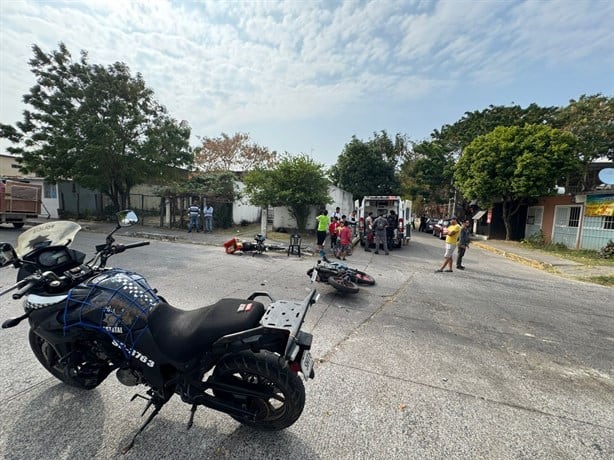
(379, 227)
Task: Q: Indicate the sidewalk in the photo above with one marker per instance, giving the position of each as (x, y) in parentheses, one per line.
(544, 260)
(217, 238)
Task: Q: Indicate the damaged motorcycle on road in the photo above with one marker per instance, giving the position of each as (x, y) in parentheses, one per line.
(87, 320)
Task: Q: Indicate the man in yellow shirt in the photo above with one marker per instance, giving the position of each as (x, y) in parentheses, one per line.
(452, 234)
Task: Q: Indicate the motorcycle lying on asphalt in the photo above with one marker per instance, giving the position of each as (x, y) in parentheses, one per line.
(87, 320)
(258, 247)
(339, 276)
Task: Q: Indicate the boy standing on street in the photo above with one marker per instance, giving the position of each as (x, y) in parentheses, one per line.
(345, 239)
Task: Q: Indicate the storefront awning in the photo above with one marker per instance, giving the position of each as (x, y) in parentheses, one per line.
(478, 215)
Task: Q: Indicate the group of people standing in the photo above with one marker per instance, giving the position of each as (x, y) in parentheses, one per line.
(194, 213)
(341, 229)
(456, 235)
(380, 230)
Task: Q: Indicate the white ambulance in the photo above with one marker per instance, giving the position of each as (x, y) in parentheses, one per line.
(383, 204)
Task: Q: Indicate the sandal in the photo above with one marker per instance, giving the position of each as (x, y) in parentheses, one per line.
(449, 271)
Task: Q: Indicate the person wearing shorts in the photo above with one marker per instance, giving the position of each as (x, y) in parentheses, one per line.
(452, 234)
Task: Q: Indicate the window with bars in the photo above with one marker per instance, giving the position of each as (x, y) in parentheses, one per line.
(608, 222)
(574, 216)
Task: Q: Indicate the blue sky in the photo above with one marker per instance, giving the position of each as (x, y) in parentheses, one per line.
(305, 76)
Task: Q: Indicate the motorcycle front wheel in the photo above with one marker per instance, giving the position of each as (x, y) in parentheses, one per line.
(343, 284)
(364, 278)
(86, 375)
(267, 373)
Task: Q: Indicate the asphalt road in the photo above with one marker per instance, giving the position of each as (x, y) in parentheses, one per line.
(499, 361)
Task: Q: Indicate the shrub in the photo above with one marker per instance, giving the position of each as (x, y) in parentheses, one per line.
(607, 252)
(535, 240)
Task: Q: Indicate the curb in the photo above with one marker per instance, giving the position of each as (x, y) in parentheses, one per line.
(510, 255)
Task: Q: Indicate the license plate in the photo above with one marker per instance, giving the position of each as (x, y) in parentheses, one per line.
(306, 364)
(314, 275)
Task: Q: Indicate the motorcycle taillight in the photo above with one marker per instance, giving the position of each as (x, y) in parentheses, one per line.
(295, 367)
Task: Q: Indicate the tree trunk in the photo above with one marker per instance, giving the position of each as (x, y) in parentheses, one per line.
(300, 214)
(509, 209)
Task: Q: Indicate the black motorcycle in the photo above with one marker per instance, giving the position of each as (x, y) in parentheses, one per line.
(340, 276)
(87, 320)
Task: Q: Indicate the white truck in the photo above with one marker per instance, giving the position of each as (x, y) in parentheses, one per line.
(383, 204)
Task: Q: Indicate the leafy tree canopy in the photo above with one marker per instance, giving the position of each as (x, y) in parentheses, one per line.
(96, 125)
(296, 182)
(427, 174)
(511, 164)
(591, 120)
(232, 153)
(457, 136)
(369, 168)
(214, 186)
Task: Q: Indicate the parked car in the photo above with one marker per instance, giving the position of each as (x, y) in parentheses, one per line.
(440, 227)
(430, 225)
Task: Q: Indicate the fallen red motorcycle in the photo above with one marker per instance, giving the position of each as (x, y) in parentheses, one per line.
(340, 276)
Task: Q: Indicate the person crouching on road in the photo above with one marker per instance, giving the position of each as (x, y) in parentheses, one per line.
(452, 234)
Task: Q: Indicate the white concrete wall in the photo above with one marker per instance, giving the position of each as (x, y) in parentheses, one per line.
(242, 209)
(341, 198)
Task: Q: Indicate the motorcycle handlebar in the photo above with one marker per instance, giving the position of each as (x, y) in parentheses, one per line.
(25, 288)
(122, 247)
(136, 245)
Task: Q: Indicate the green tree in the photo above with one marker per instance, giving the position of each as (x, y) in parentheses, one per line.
(427, 173)
(96, 125)
(591, 120)
(369, 168)
(457, 136)
(297, 182)
(512, 164)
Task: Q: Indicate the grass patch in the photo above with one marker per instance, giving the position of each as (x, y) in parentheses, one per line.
(605, 280)
(584, 256)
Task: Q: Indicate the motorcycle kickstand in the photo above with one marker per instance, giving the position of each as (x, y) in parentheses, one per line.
(156, 411)
(192, 412)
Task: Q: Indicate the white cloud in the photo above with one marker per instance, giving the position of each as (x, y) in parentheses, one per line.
(220, 64)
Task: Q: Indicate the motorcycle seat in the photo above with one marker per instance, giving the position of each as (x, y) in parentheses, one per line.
(184, 334)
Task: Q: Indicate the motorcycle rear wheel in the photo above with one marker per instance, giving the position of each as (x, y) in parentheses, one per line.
(343, 284)
(87, 376)
(267, 372)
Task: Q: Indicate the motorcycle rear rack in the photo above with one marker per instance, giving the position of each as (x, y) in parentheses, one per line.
(289, 315)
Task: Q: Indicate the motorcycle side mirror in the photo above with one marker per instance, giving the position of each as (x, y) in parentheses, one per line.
(8, 255)
(127, 218)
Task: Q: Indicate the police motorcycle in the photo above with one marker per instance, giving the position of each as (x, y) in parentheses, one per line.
(88, 320)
